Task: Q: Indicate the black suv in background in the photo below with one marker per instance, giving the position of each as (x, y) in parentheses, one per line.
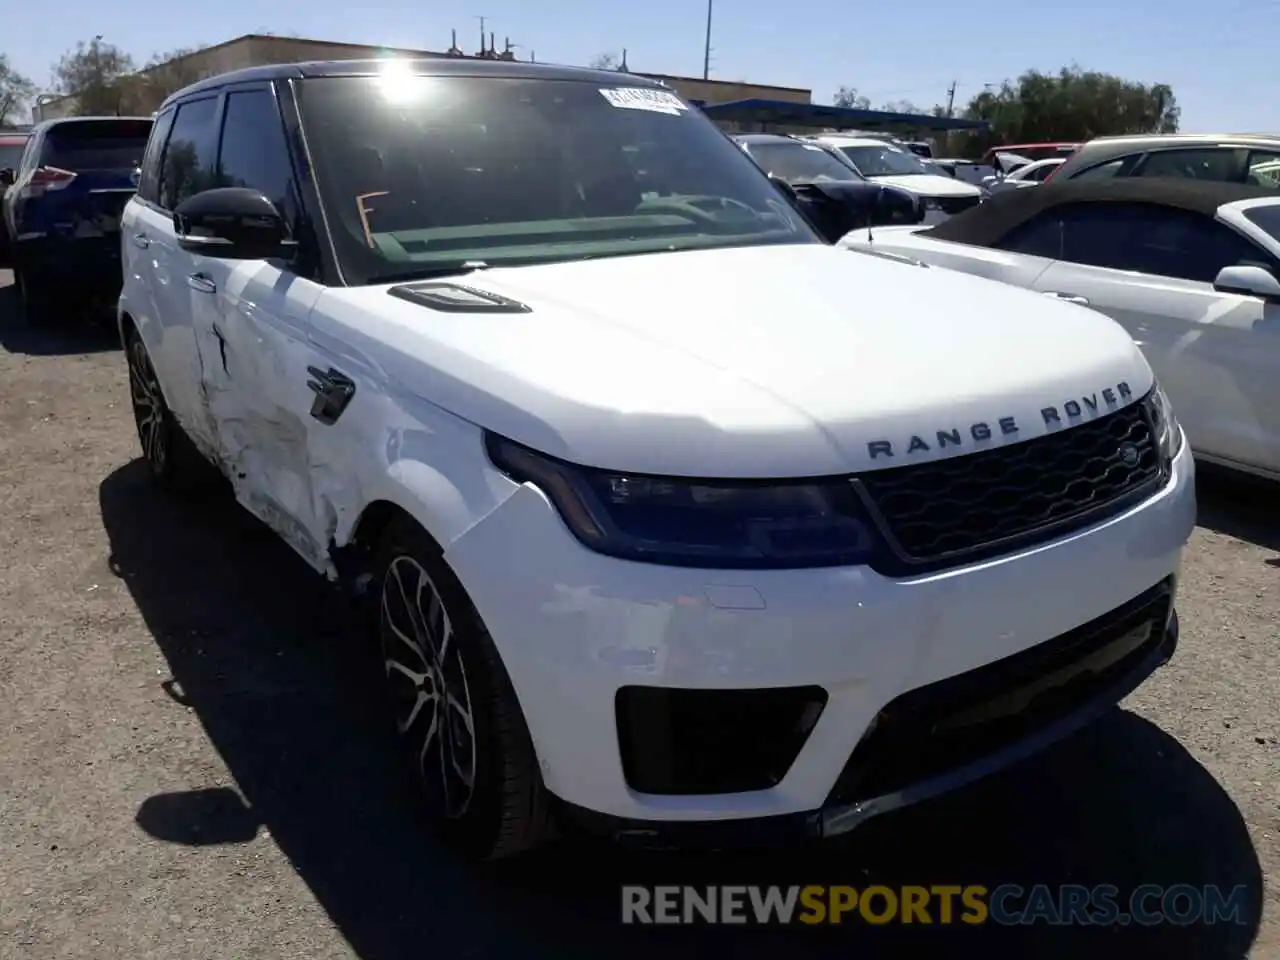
(62, 209)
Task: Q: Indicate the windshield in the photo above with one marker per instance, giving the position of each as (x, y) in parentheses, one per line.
(96, 145)
(800, 162)
(422, 175)
(885, 160)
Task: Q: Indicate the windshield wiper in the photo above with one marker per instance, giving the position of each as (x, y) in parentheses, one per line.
(433, 272)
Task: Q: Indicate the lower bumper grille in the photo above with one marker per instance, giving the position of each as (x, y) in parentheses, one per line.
(948, 724)
(954, 205)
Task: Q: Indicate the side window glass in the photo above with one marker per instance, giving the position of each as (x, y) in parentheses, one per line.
(149, 184)
(1263, 169)
(1212, 164)
(254, 150)
(1102, 171)
(188, 163)
(1154, 240)
(1041, 236)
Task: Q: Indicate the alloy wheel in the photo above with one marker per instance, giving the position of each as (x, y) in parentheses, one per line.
(427, 678)
(148, 406)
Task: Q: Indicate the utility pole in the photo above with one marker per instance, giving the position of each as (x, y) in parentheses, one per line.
(482, 20)
(706, 55)
(951, 99)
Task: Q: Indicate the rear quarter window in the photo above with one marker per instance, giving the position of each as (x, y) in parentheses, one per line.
(96, 145)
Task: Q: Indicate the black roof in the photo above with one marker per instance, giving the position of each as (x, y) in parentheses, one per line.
(441, 66)
(988, 222)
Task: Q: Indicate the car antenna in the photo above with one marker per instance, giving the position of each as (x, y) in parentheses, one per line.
(871, 239)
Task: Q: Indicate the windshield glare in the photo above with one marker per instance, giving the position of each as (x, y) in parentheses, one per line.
(800, 162)
(884, 160)
(420, 173)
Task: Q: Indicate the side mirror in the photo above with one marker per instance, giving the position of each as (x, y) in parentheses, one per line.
(1248, 281)
(233, 223)
(6, 177)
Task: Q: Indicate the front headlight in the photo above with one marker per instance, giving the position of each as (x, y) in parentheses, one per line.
(931, 203)
(674, 521)
(1165, 424)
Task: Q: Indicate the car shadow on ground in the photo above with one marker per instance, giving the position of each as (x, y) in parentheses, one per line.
(1239, 505)
(264, 652)
(77, 331)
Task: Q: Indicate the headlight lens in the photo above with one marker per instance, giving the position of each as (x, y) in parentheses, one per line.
(931, 203)
(1165, 424)
(726, 524)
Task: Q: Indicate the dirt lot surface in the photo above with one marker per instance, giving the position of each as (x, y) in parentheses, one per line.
(192, 764)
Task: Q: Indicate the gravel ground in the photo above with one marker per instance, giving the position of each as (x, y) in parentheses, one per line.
(192, 767)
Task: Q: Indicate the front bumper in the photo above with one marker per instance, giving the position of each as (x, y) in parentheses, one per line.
(579, 633)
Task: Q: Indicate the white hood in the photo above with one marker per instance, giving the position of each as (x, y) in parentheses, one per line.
(930, 185)
(759, 361)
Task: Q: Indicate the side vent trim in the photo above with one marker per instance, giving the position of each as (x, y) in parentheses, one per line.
(456, 298)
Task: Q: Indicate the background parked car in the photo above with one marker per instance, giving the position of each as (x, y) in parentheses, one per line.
(11, 147)
(1190, 269)
(1231, 158)
(831, 193)
(896, 166)
(1028, 175)
(62, 212)
(1030, 151)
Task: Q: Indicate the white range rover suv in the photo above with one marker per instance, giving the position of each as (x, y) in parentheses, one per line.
(656, 526)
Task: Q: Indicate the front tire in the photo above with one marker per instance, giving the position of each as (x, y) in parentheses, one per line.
(459, 723)
(172, 460)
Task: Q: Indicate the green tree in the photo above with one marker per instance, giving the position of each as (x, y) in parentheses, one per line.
(1074, 105)
(99, 76)
(901, 106)
(16, 91)
(849, 98)
(164, 74)
(605, 61)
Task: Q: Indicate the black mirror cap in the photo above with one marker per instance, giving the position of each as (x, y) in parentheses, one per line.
(235, 223)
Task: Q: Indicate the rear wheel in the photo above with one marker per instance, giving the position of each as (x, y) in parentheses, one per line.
(172, 459)
(39, 305)
(459, 724)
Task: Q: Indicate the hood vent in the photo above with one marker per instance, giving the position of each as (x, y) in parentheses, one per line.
(455, 298)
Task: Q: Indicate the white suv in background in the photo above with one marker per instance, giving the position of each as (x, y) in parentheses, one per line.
(655, 525)
(883, 162)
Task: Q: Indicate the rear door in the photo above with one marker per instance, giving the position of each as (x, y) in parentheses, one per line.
(1151, 269)
(84, 177)
(185, 167)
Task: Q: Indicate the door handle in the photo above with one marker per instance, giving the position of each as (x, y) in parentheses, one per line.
(333, 390)
(141, 240)
(1067, 297)
(202, 282)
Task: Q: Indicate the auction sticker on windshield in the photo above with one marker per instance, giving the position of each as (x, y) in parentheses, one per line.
(638, 98)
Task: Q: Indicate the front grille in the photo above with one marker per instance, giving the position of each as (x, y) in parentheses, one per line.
(949, 724)
(936, 514)
(954, 205)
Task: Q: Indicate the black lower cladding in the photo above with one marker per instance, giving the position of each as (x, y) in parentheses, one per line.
(686, 742)
(948, 724)
(960, 509)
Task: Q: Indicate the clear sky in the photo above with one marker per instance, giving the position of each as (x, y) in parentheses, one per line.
(1219, 57)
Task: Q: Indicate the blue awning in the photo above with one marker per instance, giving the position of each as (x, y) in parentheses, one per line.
(785, 112)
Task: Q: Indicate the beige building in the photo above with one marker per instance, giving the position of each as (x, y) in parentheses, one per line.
(259, 49)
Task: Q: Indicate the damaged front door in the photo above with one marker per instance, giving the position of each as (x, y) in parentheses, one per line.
(254, 357)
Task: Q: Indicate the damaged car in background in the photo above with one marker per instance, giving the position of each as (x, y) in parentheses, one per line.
(665, 520)
(830, 192)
